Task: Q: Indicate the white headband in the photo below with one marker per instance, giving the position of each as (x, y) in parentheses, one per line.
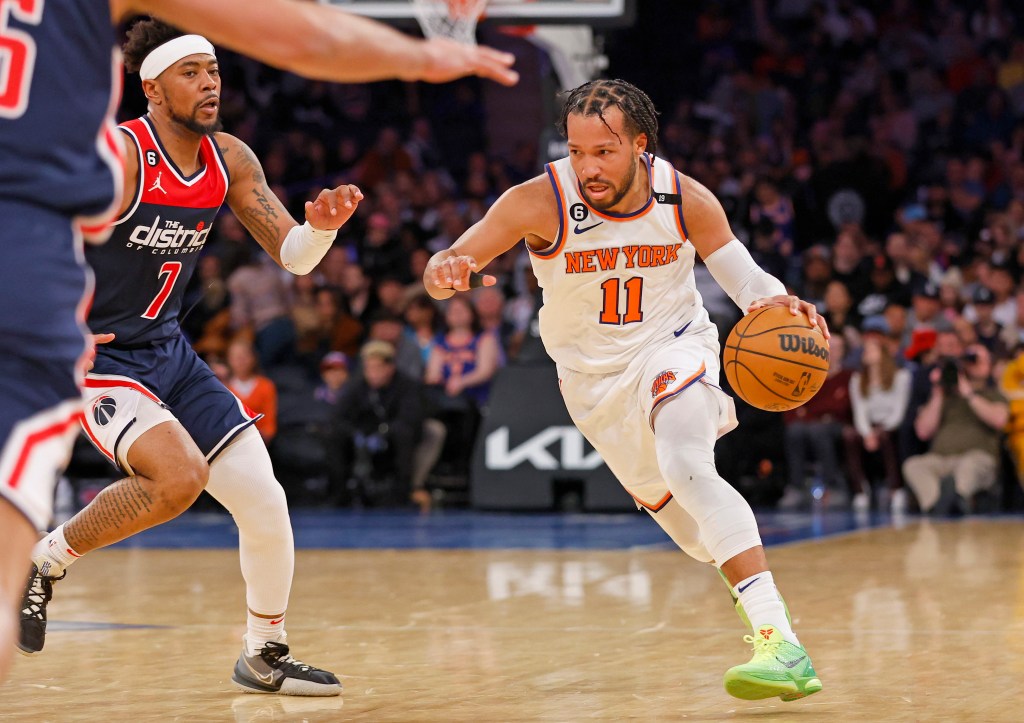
(164, 56)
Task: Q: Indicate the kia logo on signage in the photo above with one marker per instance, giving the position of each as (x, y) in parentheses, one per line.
(540, 450)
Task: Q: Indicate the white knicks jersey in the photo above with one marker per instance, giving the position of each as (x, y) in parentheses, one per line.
(615, 283)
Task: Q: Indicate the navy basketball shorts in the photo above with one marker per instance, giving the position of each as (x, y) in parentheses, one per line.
(130, 391)
(38, 425)
(43, 289)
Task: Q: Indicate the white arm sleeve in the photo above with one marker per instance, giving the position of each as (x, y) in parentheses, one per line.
(304, 247)
(744, 281)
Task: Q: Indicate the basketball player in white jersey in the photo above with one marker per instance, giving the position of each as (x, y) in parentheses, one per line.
(613, 231)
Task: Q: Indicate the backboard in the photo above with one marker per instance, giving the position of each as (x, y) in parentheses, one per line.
(594, 13)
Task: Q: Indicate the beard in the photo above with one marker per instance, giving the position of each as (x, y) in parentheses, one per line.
(620, 191)
(193, 124)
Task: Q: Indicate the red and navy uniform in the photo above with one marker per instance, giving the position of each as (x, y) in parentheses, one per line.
(141, 275)
(60, 179)
(142, 271)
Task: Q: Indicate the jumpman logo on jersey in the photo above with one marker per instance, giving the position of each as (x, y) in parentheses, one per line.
(156, 184)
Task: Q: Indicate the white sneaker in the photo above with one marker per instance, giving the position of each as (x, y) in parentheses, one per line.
(861, 502)
(898, 503)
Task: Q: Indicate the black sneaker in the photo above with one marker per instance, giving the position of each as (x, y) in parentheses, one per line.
(273, 670)
(32, 633)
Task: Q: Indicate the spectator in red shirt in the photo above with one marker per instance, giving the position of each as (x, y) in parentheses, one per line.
(256, 391)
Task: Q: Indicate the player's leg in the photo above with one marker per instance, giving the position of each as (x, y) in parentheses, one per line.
(19, 536)
(37, 430)
(685, 432)
(242, 479)
(168, 473)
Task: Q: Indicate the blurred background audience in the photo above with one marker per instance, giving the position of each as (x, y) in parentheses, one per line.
(870, 153)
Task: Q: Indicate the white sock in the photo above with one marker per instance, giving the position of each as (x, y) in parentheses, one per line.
(763, 605)
(53, 554)
(260, 630)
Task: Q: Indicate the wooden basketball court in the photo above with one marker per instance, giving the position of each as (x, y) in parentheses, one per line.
(920, 623)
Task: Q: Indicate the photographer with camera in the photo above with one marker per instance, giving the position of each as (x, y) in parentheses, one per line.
(964, 418)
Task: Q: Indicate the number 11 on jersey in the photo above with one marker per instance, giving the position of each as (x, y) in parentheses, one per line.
(634, 298)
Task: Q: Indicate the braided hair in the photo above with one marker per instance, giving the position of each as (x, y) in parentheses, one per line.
(595, 97)
(143, 38)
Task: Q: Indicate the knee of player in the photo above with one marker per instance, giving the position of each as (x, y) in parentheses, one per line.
(682, 464)
(184, 481)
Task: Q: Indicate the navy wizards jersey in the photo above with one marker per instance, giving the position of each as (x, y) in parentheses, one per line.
(142, 271)
(60, 83)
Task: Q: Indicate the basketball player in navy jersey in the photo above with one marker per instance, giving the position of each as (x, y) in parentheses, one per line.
(613, 232)
(60, 177)
(153, 407)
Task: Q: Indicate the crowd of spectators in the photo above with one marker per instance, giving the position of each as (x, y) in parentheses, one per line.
(871, 155)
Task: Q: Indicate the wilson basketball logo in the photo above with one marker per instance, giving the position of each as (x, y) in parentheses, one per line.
(103, 411)
(661, 383)
(806, 345)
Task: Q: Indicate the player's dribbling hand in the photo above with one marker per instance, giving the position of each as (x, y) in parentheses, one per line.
(796, 306)
(454, 273)
(90, 354)
(333, 207)
(448, 60)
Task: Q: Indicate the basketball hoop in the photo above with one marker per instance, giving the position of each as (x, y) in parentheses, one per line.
(453, 19)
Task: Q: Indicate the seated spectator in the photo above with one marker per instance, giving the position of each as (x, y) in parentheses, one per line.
(1012, 387)
(927, 307)
(421, 324)
(358, 293)
(255, 391)
(461, 365)
(260, 308)
(879, 394)
(385, 326)
(380, 252)
(464, 357)
(334, 373)
(304, 313)
(392, 295)
(489, 302)
(335, 329)
(378, 422)
(525, 345)
(988, 331)
(208, 321)
(818, 425)
(963, 418)
(839, 313)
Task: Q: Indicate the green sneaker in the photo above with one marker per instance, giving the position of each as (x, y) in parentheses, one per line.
(778, 668)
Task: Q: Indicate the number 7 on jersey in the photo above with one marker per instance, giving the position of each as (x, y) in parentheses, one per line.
(172, 269)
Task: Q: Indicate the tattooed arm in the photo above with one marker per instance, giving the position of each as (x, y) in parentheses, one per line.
(261, 211)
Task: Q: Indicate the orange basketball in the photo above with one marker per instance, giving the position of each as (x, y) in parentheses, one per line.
(774, 360)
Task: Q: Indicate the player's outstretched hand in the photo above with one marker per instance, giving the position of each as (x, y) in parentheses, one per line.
(458, 273)
(90, 354)
(333, 207)
(448, 60)
(796, 306)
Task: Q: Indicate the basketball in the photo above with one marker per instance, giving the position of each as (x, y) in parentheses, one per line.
(774, 360)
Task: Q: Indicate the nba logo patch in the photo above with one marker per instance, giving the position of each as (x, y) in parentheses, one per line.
(103, 410)
(661, 383)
